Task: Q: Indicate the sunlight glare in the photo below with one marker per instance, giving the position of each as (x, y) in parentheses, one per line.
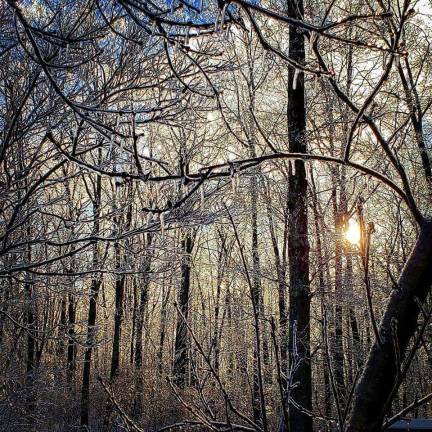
(352, 234)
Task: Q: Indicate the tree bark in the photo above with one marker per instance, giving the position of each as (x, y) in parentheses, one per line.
(71, 346)
(144, 296)
(181, 338)
(298, 243)
(380, 375)
(92, 311)
(163, 325)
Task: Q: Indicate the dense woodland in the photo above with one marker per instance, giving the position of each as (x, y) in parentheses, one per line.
(215, 215)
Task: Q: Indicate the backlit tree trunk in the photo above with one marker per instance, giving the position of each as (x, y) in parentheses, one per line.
(298, 243)
(398, 325)
(92, 311)
(181, 338)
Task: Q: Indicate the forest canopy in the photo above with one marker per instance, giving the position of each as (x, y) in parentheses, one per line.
(215, 215)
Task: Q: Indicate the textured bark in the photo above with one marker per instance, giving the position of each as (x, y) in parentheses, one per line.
(339, 212)
(119, 294)
(257, 298)
(91, 334)
(338, 348)
(257, 293)
(163, 325)
(380, 375)
(217, 331)
(92, 311)
(134, 319)
(181, 339)
(118, 317)
(71, 347)
(31, 344)
(298, 243)
(144, 295)
(138, 355)
(356, 353)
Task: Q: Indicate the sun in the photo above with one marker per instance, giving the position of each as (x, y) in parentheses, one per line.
(353, 233)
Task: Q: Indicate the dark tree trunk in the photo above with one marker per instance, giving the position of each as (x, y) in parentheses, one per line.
(181, 338)
(118, 317)
(92, 311)
(91, 333)
(31, 327)
(144, 296)
(380, 375)
(31, 344)
(71, 347)
(62, 328)
(298, 243)
(353, 324)
(338, 349)
(119, 296)
(257, 298)
(134, 320)
(163, 323)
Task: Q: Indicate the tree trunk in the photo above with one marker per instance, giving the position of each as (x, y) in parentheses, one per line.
(71, 347)
(380, 375)
(134, 320)
(318, 223)
(181, 338)
(120, 283)
(91, 333)
(144, 295)
(298, 243)
(338, 349)
(31, 343)
(282, 286)
(118, 316)
(92, 311)
(163, 324)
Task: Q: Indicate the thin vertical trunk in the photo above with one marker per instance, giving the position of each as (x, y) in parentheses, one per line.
(338, 349)
(71, 304)
(219, 278)
(353, 324)
(163, 324)
(339, 212)
(29, 315)
(31, 342)
(231, 355)
(257, 297)
(134, 320)
(71, 347)
(119, 295)
(282, 286)
(318, 224)
(62, 328)
(91, 334)
(92, 311)
(118, 317)
(181, 338)
(144, 297)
